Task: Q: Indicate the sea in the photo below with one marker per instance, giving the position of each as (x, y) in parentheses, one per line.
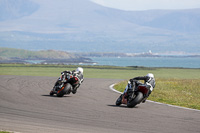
(180, 62)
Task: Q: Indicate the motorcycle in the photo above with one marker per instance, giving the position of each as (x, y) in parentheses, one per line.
(65, 84)
(134, 97)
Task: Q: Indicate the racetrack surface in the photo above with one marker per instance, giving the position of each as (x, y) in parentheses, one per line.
(26, 107)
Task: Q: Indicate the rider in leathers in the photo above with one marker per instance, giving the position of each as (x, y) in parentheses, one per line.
(78, 73)
(133, 83)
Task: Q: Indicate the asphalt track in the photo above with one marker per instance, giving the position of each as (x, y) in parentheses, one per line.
(26, 107)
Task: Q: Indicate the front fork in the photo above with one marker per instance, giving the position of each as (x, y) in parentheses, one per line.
(127, 96)
(58, 85)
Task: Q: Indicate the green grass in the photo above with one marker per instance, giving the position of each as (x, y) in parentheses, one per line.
(175, 86)
(4, 132)
(99, 71)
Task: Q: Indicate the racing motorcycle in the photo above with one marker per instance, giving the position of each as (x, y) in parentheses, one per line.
(134, 96)
(68, 82)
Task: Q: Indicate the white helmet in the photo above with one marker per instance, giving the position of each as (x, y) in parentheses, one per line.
(79, 69)
(150, 75)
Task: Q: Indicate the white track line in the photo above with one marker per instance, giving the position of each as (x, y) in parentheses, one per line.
(111, 87)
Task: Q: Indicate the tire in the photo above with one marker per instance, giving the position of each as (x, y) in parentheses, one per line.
(64, 90)
(119, 101)
(138, 98)
(51, 93)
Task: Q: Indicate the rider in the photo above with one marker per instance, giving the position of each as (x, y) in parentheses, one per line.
(78, 73)
(133, 83)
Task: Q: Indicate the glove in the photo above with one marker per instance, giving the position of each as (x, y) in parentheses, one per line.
(132, 80)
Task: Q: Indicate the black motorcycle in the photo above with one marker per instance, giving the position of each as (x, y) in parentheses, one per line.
(67, 83)
(134, 96)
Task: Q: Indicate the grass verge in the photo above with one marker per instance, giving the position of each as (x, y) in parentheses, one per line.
(4, 132)
(110, 72)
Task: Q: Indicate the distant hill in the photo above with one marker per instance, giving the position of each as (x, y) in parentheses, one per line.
(12, 55)
(84, 26)
(16, 9)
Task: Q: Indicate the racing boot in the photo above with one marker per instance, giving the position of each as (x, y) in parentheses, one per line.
(146, 96)
(144, 100)
(74, 90)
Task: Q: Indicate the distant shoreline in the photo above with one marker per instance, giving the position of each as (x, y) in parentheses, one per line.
(147, 54)
(49, 61)
(146, 59)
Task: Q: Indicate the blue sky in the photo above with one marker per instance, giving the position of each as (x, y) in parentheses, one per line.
(149, 4)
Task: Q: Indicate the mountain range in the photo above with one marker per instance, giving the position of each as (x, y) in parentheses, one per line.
(84, 26)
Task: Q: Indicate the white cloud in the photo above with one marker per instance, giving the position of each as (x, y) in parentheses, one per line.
(149, 4)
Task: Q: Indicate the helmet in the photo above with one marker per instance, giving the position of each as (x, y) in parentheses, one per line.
(79, 69)
(150, 75)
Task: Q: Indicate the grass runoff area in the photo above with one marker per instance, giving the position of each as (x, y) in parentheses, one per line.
(175, 86)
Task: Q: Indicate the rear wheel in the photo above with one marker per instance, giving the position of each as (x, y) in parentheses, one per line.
(119, 101)
(64, 90)
(136, 100)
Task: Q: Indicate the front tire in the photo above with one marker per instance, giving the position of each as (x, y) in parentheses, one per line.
(119, 101)
(133, 102)
(64, 90)
(51, 93)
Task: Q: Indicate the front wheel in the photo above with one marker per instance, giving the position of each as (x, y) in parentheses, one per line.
(66, 89)
(119, 101)
(136, 100)
(51, 93)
